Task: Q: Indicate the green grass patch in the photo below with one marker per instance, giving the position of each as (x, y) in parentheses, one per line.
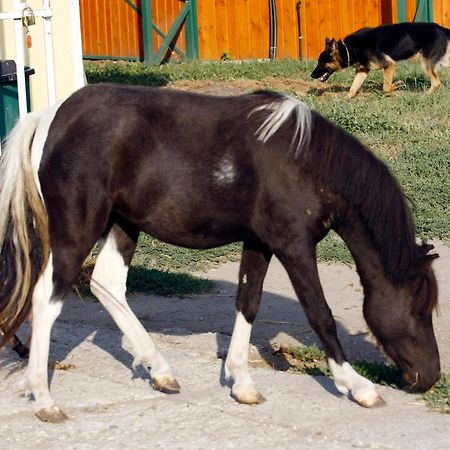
(154, 254)
(332, 249)
(142, 280)
(138, 73)
(438, 397)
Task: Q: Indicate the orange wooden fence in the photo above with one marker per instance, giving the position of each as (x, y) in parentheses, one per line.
(238, 29)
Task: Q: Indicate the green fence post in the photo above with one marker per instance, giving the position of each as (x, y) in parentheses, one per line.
(147, 31)
(424, 11)
(401, 10)
(192, 31)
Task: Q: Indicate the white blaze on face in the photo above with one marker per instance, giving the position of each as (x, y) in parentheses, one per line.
(225, 171)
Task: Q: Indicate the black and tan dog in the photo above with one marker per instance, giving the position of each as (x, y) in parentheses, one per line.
(381, 47)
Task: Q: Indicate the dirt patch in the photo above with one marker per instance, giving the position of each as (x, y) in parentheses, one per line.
(293, 86)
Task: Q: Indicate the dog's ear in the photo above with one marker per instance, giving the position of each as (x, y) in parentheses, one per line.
(330, 44)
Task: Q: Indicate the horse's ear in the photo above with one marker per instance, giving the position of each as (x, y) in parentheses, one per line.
(426, 257)
(426, 247)
(424, 262)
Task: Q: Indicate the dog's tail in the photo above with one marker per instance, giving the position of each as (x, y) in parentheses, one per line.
(24, 235)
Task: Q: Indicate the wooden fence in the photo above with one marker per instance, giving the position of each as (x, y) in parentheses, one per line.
(238, 29)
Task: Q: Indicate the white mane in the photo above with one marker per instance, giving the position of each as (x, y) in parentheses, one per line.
(280, 111)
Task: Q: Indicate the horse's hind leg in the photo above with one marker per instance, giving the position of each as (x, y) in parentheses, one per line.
(16, 345)
(21, 349)
(45, 310)
(108, 284)
(302, 270)
(254, 263)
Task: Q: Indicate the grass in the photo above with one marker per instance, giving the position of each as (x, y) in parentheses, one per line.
(137, 73)
(312, 361)
(438, 397)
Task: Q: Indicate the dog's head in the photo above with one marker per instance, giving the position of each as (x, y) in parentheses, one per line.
(329, 61)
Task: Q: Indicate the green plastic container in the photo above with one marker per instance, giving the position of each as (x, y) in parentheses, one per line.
(9, 98)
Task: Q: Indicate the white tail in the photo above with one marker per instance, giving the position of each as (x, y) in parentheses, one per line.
(24, 242)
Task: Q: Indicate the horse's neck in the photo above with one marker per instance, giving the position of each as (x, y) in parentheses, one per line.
(367, 258)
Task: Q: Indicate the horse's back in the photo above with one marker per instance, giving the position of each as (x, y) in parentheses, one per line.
(184, 167)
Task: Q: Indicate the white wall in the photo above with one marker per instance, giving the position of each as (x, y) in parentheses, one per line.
(69, 75)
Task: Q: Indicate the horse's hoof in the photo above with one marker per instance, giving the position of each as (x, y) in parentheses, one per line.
(249, 398)
(52, 414)
(166, 385)
(374, 401)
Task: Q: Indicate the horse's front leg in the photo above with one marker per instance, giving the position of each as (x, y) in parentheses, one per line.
(254, 263)
(302, 270)
(108, 284)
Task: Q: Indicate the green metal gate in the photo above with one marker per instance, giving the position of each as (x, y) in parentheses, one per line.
(187, 18)
(424, 11)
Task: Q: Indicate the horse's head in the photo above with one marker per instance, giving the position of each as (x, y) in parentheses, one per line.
(400, 317)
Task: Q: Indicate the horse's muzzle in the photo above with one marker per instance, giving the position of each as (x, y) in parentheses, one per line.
(420, 382)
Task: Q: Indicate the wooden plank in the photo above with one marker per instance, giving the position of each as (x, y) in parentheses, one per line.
(221, 30)
(360, 14)
(446, 14)
(410, 10)
(348, 20)
(314, 40)
(337, 12)
(233, 36)
(259, 44)
(374, 13)
(441, 12)
(304, 31)
(282, 12)
(242, 16)
(324, 14)
(289, 31)
(208, 30)
(387, 13)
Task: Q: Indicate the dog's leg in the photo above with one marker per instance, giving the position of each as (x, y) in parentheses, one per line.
(435, 81)
(360, 76)
(388, 77)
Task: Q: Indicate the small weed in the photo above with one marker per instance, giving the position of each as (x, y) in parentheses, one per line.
(438, 397)
(308, 354)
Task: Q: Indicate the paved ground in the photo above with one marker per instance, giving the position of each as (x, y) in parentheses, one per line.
(113, 407)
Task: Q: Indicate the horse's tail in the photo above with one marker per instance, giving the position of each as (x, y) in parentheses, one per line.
(24, 235)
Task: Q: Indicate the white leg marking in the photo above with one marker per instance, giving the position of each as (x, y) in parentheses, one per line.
(108, 284)
(347, 382)
(236, 365)
(44, 313)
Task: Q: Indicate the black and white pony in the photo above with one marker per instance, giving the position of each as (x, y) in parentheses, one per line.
(202, 171)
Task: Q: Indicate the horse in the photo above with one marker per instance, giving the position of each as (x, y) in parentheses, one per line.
(201, 171)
